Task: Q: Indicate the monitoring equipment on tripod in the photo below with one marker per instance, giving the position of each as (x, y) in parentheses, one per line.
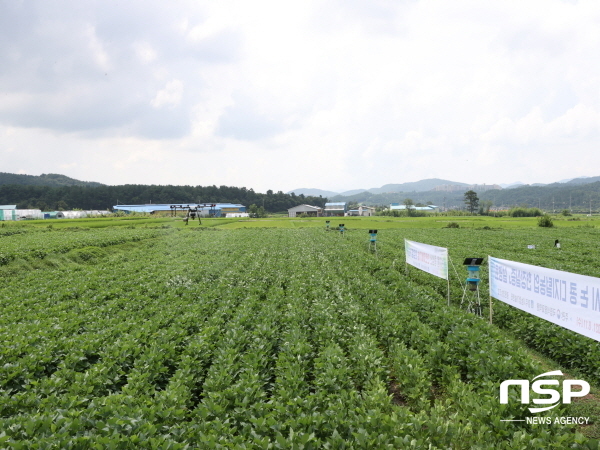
(327, 223)
(341, 227)
(472, 285)
(473, 270)
(373, 240)
(556, 243)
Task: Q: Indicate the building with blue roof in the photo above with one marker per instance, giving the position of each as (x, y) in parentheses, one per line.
(364, 211)
(402, 207)
(335, 209)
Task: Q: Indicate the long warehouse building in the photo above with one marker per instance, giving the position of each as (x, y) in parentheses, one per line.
(218, 210)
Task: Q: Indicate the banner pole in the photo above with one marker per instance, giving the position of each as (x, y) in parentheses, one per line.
(448, 260)
(490, 286)
(405, 259)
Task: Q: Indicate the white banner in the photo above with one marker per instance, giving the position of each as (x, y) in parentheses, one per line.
(566, 299)
(431, 259)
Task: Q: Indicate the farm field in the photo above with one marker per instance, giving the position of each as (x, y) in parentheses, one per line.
(379, 222)
(273, 336)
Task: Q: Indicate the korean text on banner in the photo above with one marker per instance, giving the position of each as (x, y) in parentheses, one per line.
(429, 258)
(566, 299)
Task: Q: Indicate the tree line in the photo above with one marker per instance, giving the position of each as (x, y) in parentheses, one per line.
(105, 197)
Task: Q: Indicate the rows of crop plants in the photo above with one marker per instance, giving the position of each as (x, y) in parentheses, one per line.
(576, 254)
(257, 338)
(30, 242)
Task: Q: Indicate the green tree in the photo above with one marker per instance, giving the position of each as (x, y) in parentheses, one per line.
(42, 206)
(410, 205)
(256, 212)
(545, 221)
(472, 201)
(484, 207)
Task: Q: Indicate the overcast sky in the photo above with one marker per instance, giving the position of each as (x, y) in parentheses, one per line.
(281, 95)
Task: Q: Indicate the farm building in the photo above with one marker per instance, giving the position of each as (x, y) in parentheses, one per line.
(399, 207)
(335, 209)
(362, 211)
(10, 212)
(305, 209)
(219, 209)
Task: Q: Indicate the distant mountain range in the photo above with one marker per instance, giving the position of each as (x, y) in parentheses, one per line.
(577, 194)
(413, 186)
(424, 186)
(45, 179)
(582, 180)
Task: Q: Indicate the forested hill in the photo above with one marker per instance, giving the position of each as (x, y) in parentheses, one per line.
(105, 197)
(45, 179)
(551, 197)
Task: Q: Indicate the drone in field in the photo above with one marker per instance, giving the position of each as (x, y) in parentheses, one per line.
(193, 212)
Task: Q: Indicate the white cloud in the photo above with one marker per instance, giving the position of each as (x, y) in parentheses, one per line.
(169, 96)
(145, 52)
(96, 49)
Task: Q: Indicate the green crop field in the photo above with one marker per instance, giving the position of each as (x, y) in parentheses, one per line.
(274, 333)
(378, 222)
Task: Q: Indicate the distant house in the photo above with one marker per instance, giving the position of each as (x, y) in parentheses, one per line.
(309, 210)
(335, 209)
(362, 211)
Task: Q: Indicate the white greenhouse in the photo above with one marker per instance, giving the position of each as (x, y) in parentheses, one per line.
(80, 214)
(9, 212)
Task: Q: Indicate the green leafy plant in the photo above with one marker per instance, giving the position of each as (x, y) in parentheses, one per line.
(545, 221)
(289, 338)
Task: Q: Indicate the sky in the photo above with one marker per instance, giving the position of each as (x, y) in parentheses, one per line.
(281, 95)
